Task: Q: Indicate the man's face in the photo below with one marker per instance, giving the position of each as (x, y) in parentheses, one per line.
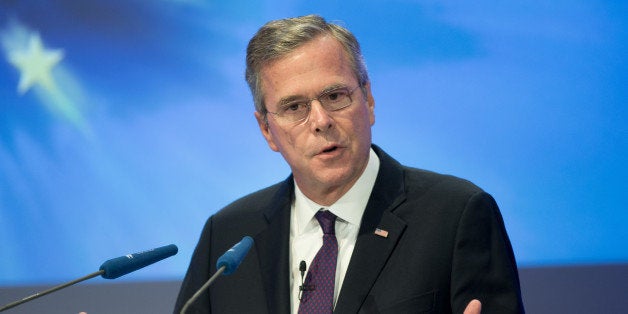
(328, 151)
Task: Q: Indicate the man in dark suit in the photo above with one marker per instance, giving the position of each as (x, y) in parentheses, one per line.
(401, 240)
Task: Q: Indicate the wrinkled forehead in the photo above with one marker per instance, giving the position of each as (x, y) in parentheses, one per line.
(307, 71)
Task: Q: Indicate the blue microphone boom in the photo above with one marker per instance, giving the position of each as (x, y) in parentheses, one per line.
(234, 256)
(226, 264)
(123, 265)
(110, 269)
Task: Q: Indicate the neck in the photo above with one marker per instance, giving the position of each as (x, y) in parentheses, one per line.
(325, 196)
(323, 193)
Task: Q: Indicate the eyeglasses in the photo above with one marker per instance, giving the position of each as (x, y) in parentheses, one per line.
(297, 110)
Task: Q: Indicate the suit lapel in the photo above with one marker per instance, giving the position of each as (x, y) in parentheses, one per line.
(371, 250)
(272, 245)
(370, 253)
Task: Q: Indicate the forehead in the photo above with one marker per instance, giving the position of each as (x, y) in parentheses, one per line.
(317, 65)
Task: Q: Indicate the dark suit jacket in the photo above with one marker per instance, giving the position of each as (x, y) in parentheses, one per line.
(446, 245)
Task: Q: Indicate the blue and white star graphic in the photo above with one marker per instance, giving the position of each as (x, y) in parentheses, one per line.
(35, 64)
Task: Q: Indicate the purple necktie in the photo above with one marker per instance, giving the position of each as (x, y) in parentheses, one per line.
(320, 279)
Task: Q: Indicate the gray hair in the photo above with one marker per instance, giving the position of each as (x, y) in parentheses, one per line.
(278, 38)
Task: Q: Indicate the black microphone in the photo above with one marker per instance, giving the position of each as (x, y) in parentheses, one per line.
(226, 264)
(304, 287)
(302, 269)
(111, 269)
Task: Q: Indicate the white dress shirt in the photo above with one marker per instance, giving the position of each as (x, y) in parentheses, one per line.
(306, 235)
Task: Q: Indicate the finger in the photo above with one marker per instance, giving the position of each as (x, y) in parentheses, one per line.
(474, 307)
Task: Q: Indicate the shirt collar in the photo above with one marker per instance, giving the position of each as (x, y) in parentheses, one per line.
(350, 207)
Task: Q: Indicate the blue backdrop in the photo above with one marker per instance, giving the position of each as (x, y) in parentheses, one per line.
(125, 124)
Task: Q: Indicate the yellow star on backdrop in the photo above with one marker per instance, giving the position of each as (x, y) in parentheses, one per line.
(35, 64)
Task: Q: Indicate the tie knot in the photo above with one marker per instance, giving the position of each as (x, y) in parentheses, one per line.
(326, 219)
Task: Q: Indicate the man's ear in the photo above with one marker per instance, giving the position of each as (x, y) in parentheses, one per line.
(262, 122)
(370, 102)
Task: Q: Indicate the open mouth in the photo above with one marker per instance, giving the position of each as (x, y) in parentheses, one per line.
(330, 149)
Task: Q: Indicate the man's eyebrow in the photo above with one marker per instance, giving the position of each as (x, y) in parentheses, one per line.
(289, 99)
(332, 88)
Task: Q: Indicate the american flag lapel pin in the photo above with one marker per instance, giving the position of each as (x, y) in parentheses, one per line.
(382, 233)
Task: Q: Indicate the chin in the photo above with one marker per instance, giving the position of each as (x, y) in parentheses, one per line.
(335, 177)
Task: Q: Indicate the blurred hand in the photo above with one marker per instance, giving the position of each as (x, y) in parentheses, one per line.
(474, 307)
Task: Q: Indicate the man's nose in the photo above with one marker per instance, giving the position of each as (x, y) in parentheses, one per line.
(320, 119)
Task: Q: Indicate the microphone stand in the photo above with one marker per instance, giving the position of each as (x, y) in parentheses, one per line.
(202, 289)
(51, 290)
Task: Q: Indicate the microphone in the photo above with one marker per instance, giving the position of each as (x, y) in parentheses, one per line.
(110, 269)
(303, 286)
(123, 265)
(234, 256)
(226, 264)
(302, 269)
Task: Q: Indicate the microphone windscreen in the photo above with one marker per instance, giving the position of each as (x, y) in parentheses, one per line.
(123, 265)
(232, 258)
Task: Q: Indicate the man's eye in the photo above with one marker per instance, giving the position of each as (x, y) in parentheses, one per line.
(292, 108)
(335, 96)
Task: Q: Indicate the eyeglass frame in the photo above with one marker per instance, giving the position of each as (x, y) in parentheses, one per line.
(308, 103)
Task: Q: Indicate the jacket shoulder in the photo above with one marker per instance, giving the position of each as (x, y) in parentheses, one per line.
(257, 204)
